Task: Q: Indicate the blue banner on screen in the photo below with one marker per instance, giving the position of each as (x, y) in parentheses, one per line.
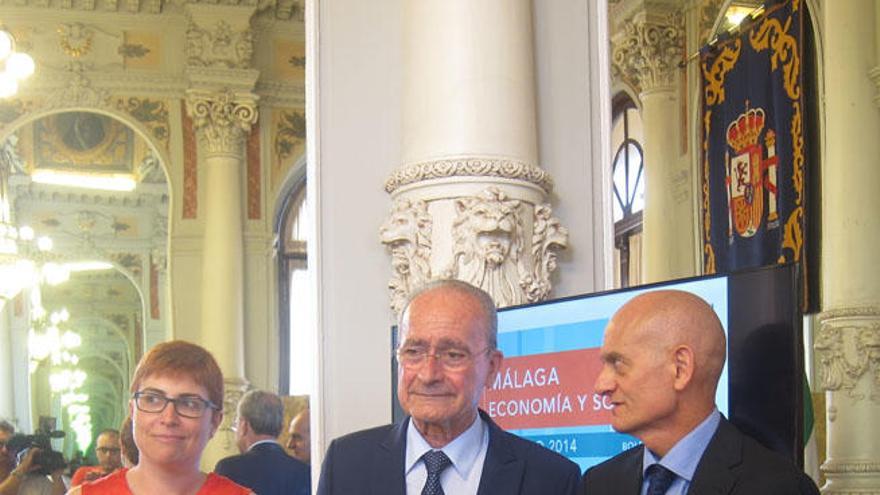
(544, 391)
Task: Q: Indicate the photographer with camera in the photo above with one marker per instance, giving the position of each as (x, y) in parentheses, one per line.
(32, 467)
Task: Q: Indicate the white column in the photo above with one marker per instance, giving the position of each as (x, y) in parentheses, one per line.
(646, 54)
(221, 121)
(470, 144)
(848, 342)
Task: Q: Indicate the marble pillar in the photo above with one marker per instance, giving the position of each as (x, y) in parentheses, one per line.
(645, 54)
(848, 342)
(221, 121)
(469, 198)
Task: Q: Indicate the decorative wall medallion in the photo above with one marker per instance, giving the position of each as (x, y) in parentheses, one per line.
(289, 142)
(78, 92)
(407, 235)
(848, 352)
(75, 39)
(82, 140)
(488, 243)
(153, 114)
(469, 167)
(219, 47)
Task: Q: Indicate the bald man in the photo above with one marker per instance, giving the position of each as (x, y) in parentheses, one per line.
(662, 355)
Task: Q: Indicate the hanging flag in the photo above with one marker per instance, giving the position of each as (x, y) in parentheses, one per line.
(753, 147)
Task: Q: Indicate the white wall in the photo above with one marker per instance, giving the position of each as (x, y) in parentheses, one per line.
(573, 125)
(354, 144)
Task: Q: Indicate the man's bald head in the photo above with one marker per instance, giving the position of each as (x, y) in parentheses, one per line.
(662, 354)
(665, 319)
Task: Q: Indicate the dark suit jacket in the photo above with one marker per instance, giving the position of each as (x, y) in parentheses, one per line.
(267, 470)
(372, 462)
(732, 464)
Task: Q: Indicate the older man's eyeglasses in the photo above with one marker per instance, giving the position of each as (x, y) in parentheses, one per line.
(188, 406)
(451, 358)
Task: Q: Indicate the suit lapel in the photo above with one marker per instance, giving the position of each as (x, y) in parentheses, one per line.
(502, 470)
(714, 474)
(631, 468)
(386, 475)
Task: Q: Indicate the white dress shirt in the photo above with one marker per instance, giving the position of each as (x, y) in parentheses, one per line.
(467, 453)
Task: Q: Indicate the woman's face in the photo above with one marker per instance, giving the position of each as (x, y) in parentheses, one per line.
(167, 437)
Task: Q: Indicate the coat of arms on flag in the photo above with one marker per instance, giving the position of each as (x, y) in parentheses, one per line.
(753, 146)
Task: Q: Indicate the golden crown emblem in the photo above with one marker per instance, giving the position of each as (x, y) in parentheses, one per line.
(745, 130)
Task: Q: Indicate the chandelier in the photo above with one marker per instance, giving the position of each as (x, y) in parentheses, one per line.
(20, 249)
(16, 66)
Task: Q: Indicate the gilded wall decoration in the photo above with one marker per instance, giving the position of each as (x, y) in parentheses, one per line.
(488, 244)
(82, 140)
(289, 141)
(289, 59)
(407, 235)
(254, 173)
(190, 168)
(141, 50)
(153, 114)
(219, 46)
(75, 39)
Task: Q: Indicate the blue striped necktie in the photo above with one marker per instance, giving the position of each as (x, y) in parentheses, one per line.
(659, 479)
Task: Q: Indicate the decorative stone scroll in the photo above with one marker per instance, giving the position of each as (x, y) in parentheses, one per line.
(506, 246)
(648, 52)
(407, 234)
(469, 167)
(848, 352)
(221, 46)
(222, 120)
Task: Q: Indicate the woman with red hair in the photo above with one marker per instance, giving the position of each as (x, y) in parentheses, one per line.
(175, 407)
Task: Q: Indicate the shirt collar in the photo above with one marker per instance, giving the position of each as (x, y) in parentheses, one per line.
(462, 451)
(683, 458)
(259, 442)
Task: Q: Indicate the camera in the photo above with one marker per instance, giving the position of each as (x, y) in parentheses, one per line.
(46, 461)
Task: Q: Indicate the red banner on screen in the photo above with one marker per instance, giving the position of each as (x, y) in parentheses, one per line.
(547, 390)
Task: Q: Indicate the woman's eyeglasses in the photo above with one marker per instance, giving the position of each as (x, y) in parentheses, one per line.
(188, 406)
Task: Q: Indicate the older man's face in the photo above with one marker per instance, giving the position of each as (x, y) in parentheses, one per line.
(108, 452)
(444, 321)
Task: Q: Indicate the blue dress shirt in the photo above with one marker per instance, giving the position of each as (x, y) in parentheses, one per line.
(683, 458)
(467, 453)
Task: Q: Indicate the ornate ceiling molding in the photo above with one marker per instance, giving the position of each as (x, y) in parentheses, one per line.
(501, 168)
(219, 45)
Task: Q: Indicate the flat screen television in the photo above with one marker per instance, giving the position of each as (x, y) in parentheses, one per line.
(545, 389)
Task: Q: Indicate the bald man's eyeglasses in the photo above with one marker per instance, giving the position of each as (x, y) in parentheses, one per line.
(450, 358)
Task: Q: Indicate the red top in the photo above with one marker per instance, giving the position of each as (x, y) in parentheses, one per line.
(115, 484)
(86, 473)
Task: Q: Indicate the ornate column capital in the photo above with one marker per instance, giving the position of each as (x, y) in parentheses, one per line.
(222, 119)
(647, 50)
(848, 352)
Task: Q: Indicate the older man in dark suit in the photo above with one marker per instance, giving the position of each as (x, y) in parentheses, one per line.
(446, 356)
(663, 353)
(263, 465)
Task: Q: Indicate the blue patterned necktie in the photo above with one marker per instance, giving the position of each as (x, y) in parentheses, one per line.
(435, 461)
(659, 479)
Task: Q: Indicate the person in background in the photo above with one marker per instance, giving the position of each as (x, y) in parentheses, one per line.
(175, 408)
(662, 354)
(126, 443)
(447, 355)
(7, 461)
(263, 465)
(300, 441)
(109, 459)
